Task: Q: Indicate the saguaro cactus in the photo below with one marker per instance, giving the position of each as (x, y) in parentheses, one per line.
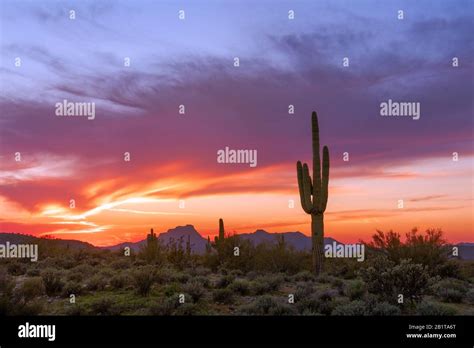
(314, 195)
(219, 240)
(221, 236)
(221, 229)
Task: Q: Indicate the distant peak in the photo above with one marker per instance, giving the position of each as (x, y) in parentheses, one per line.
(186, 229)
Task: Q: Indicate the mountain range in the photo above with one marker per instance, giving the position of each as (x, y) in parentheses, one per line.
(297, 240)
(198, 243)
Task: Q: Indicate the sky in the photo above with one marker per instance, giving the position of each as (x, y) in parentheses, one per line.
(173, 176)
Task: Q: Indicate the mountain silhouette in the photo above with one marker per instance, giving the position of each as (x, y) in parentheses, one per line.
(297, 240)
(198, 243)
(18, 238)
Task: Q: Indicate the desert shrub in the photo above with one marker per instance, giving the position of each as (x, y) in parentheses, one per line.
(283, 309)
(64, 262)
(102, 306)
(385, 309)
(261, 306)
(164, 275)
(143, 280)
(6, 288)
(80, 272)
(260, 288)
(450, 290)
(470, 296)
(352, 308)
(466, 269)
(236, 273)
(240, 286)
(303, 290)
(31, 308)
(203, 280)
(165, 307)
(75, 275)
(177, 254)
(429, 250)
(171, 289)
(387, 280)
(187, 309)
(119, 281)
(452, 295)
(201, 271)
(182, 277)
(33, 272)
(267, 283)
(106, 273)
(450, 269)
(52, 282)
(93, 261)
(72, 288)
(430, 308)
(252, 275)
(122, 263)
(225, 296)
(96, 283)
(266, 305)
(75, 310)
(304, 276)
(328, 294)
(195, 290)
(16, 268)
(355, 290)
(225, 254)
(224, 281)
(31, 288)
(6, 282)
(338, 284)
(324, 278)
(319, 303)
(139, 263)
(344, 268)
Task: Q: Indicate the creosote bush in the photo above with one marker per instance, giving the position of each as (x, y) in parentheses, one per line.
(240, 286)
(224, 296)
(195, 290)
(388, 280)
(32, 288)
(143, 280)
(450, 290)
(438, 309)
(52, 282)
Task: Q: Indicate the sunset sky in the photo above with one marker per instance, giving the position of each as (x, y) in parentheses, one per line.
(191, 62)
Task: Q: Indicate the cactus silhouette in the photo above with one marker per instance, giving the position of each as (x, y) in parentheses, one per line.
(221, 229)
(221, 237)
(219, 240)
(314, 195)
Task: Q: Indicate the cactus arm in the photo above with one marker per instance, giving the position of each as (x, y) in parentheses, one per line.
(308, 187)
(316, 162)
(303, 194)
(325, 181)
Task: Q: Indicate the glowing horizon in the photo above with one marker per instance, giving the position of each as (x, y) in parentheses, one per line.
(173, 155)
